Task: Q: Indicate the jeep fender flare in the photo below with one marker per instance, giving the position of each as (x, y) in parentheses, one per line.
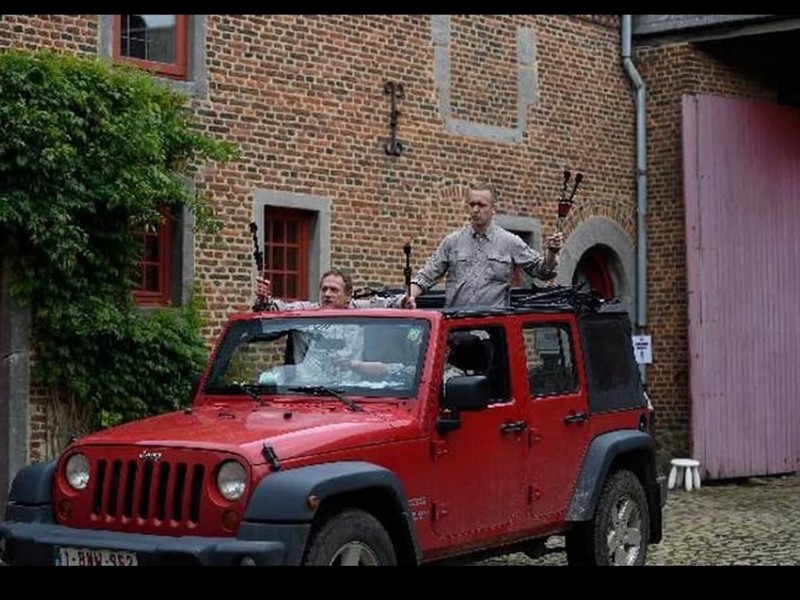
(31, 494)
(602, 452)
(282, 497)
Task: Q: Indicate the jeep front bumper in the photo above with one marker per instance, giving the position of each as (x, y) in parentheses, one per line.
(39, 544)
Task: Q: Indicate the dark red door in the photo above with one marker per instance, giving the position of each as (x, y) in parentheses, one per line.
(593, 268)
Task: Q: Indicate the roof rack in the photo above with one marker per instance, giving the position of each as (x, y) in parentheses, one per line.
(565, 297)
(558, 298)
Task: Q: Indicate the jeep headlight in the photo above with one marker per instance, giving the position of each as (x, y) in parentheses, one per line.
(231, 480)
(77, 471)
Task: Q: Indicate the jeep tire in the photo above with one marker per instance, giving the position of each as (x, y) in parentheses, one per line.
(620, 531)
(351, 538)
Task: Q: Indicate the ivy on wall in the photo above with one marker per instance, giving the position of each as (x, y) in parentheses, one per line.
(89, 152)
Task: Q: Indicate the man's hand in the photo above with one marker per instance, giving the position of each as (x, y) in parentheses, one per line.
(555, 242)
(408, 302)
(263, 289)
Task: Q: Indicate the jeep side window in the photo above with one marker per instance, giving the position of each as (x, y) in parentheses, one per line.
(479, 352)
(549, 356)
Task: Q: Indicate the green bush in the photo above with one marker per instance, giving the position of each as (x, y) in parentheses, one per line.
(89, 152)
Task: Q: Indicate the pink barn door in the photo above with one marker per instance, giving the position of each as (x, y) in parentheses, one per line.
(741, 162)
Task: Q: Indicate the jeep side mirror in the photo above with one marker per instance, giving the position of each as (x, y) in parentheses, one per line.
(470, 392)
(462, 393)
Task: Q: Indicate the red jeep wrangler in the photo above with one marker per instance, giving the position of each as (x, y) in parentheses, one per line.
(370, 437)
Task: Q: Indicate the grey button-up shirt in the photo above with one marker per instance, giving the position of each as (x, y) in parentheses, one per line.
(479, 266)
(371, 302)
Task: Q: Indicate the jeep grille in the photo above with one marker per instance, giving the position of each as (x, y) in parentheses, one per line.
(151, 491)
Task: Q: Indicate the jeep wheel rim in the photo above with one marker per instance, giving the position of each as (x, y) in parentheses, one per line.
(354, 554)
(625, 533)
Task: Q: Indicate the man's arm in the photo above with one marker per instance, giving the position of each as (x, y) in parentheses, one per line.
(376, 369)
(533, 262)
(265, 302)
(395, 301)
(536, 264)
(434, 268)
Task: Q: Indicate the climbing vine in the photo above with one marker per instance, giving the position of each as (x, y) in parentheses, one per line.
(90, 154)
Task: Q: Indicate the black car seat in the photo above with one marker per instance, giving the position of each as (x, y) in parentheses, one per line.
(468, 353)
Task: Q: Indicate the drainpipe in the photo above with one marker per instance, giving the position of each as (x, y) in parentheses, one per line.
(641, 179)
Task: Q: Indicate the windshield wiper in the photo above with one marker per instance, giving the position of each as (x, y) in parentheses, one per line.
(321, 390)
(254, 390)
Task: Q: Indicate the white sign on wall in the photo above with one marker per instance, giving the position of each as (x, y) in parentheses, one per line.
(642, 349)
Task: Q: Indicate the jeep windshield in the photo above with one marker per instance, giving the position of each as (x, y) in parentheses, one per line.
(365, 357)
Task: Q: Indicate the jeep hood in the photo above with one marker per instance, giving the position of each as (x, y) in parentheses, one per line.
(292, 430)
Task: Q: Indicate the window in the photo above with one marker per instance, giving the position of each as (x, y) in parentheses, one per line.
(479, 352)
(548, 352)
(527, 229)
(286, 251)
(153, 42)
(519, 278)
(154, 267)
(611, 368)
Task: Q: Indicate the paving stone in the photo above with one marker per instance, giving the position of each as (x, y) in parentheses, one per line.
(752, 521)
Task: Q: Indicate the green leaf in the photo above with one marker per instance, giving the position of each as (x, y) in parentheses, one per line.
(88, 150)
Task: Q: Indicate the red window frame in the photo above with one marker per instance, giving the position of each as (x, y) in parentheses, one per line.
(159, 295)
(278, 223)
(176, 70)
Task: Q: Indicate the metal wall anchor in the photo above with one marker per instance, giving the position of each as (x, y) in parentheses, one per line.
(394, 147)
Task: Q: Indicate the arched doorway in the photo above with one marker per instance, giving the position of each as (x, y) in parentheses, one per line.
(595, 268)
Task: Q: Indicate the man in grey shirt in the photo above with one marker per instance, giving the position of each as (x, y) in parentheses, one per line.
(335, 291)
(479, 259)
(316, 361)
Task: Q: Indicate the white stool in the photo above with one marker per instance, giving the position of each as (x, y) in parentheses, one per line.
(687, 469)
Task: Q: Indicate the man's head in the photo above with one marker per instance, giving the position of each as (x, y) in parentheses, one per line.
(481, 207)
(335, 289)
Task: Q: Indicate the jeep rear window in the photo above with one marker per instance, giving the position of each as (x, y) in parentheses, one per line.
(614, 381)
(368, 357)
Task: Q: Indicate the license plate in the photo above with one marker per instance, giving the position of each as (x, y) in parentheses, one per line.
(89, 557)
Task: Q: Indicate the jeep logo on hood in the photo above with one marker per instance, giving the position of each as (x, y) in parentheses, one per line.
(150, 456)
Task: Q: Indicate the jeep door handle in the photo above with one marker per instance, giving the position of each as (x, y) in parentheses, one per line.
(575, 418)
(513, 426)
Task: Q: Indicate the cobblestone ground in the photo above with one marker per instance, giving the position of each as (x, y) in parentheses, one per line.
(752, 521)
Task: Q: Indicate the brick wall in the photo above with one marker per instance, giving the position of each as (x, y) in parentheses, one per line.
(71, 33)
(303, 97)
(669, 73)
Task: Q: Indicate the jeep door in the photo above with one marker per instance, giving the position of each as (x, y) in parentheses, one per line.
(476, 484)
(551, 383)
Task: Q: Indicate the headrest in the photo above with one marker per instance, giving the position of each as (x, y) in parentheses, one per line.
(467, 352)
